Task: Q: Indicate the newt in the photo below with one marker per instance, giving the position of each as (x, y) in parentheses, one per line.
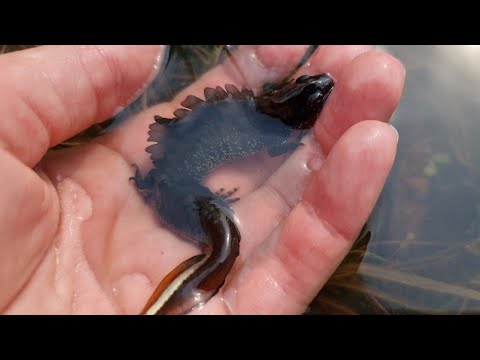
(229, 124)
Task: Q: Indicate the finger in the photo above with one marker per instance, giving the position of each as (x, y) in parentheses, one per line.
(51, 93)
(287, 271)
(29, 214)
(251, 66)
(374, 91)
(369, 88)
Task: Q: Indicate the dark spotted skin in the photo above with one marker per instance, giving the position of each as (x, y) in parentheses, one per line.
(229, 124)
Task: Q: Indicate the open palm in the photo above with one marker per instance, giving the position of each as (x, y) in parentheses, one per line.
(77, 236)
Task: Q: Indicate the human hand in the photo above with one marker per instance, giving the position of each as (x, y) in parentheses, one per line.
(78, 237)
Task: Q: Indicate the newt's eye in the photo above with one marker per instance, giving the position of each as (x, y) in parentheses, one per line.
(302, 79)
(311, 88)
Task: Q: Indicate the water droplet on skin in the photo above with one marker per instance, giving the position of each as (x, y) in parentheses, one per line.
(57, 255)
(74, 301)
(315, 164)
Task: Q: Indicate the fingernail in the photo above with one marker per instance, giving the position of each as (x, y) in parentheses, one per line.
(158, 66)
(394, 129)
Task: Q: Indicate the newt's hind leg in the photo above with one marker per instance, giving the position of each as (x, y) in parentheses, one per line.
(143, 184)
(226, 195)
(137, 178)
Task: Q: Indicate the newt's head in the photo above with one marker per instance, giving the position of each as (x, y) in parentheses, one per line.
(298, 103)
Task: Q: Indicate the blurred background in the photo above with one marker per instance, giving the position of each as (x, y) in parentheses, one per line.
(419, 253)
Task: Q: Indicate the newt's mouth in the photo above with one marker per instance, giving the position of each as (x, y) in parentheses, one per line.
(327, 88)
(321, 87)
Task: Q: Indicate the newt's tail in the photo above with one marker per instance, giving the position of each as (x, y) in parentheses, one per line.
(199, 278)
